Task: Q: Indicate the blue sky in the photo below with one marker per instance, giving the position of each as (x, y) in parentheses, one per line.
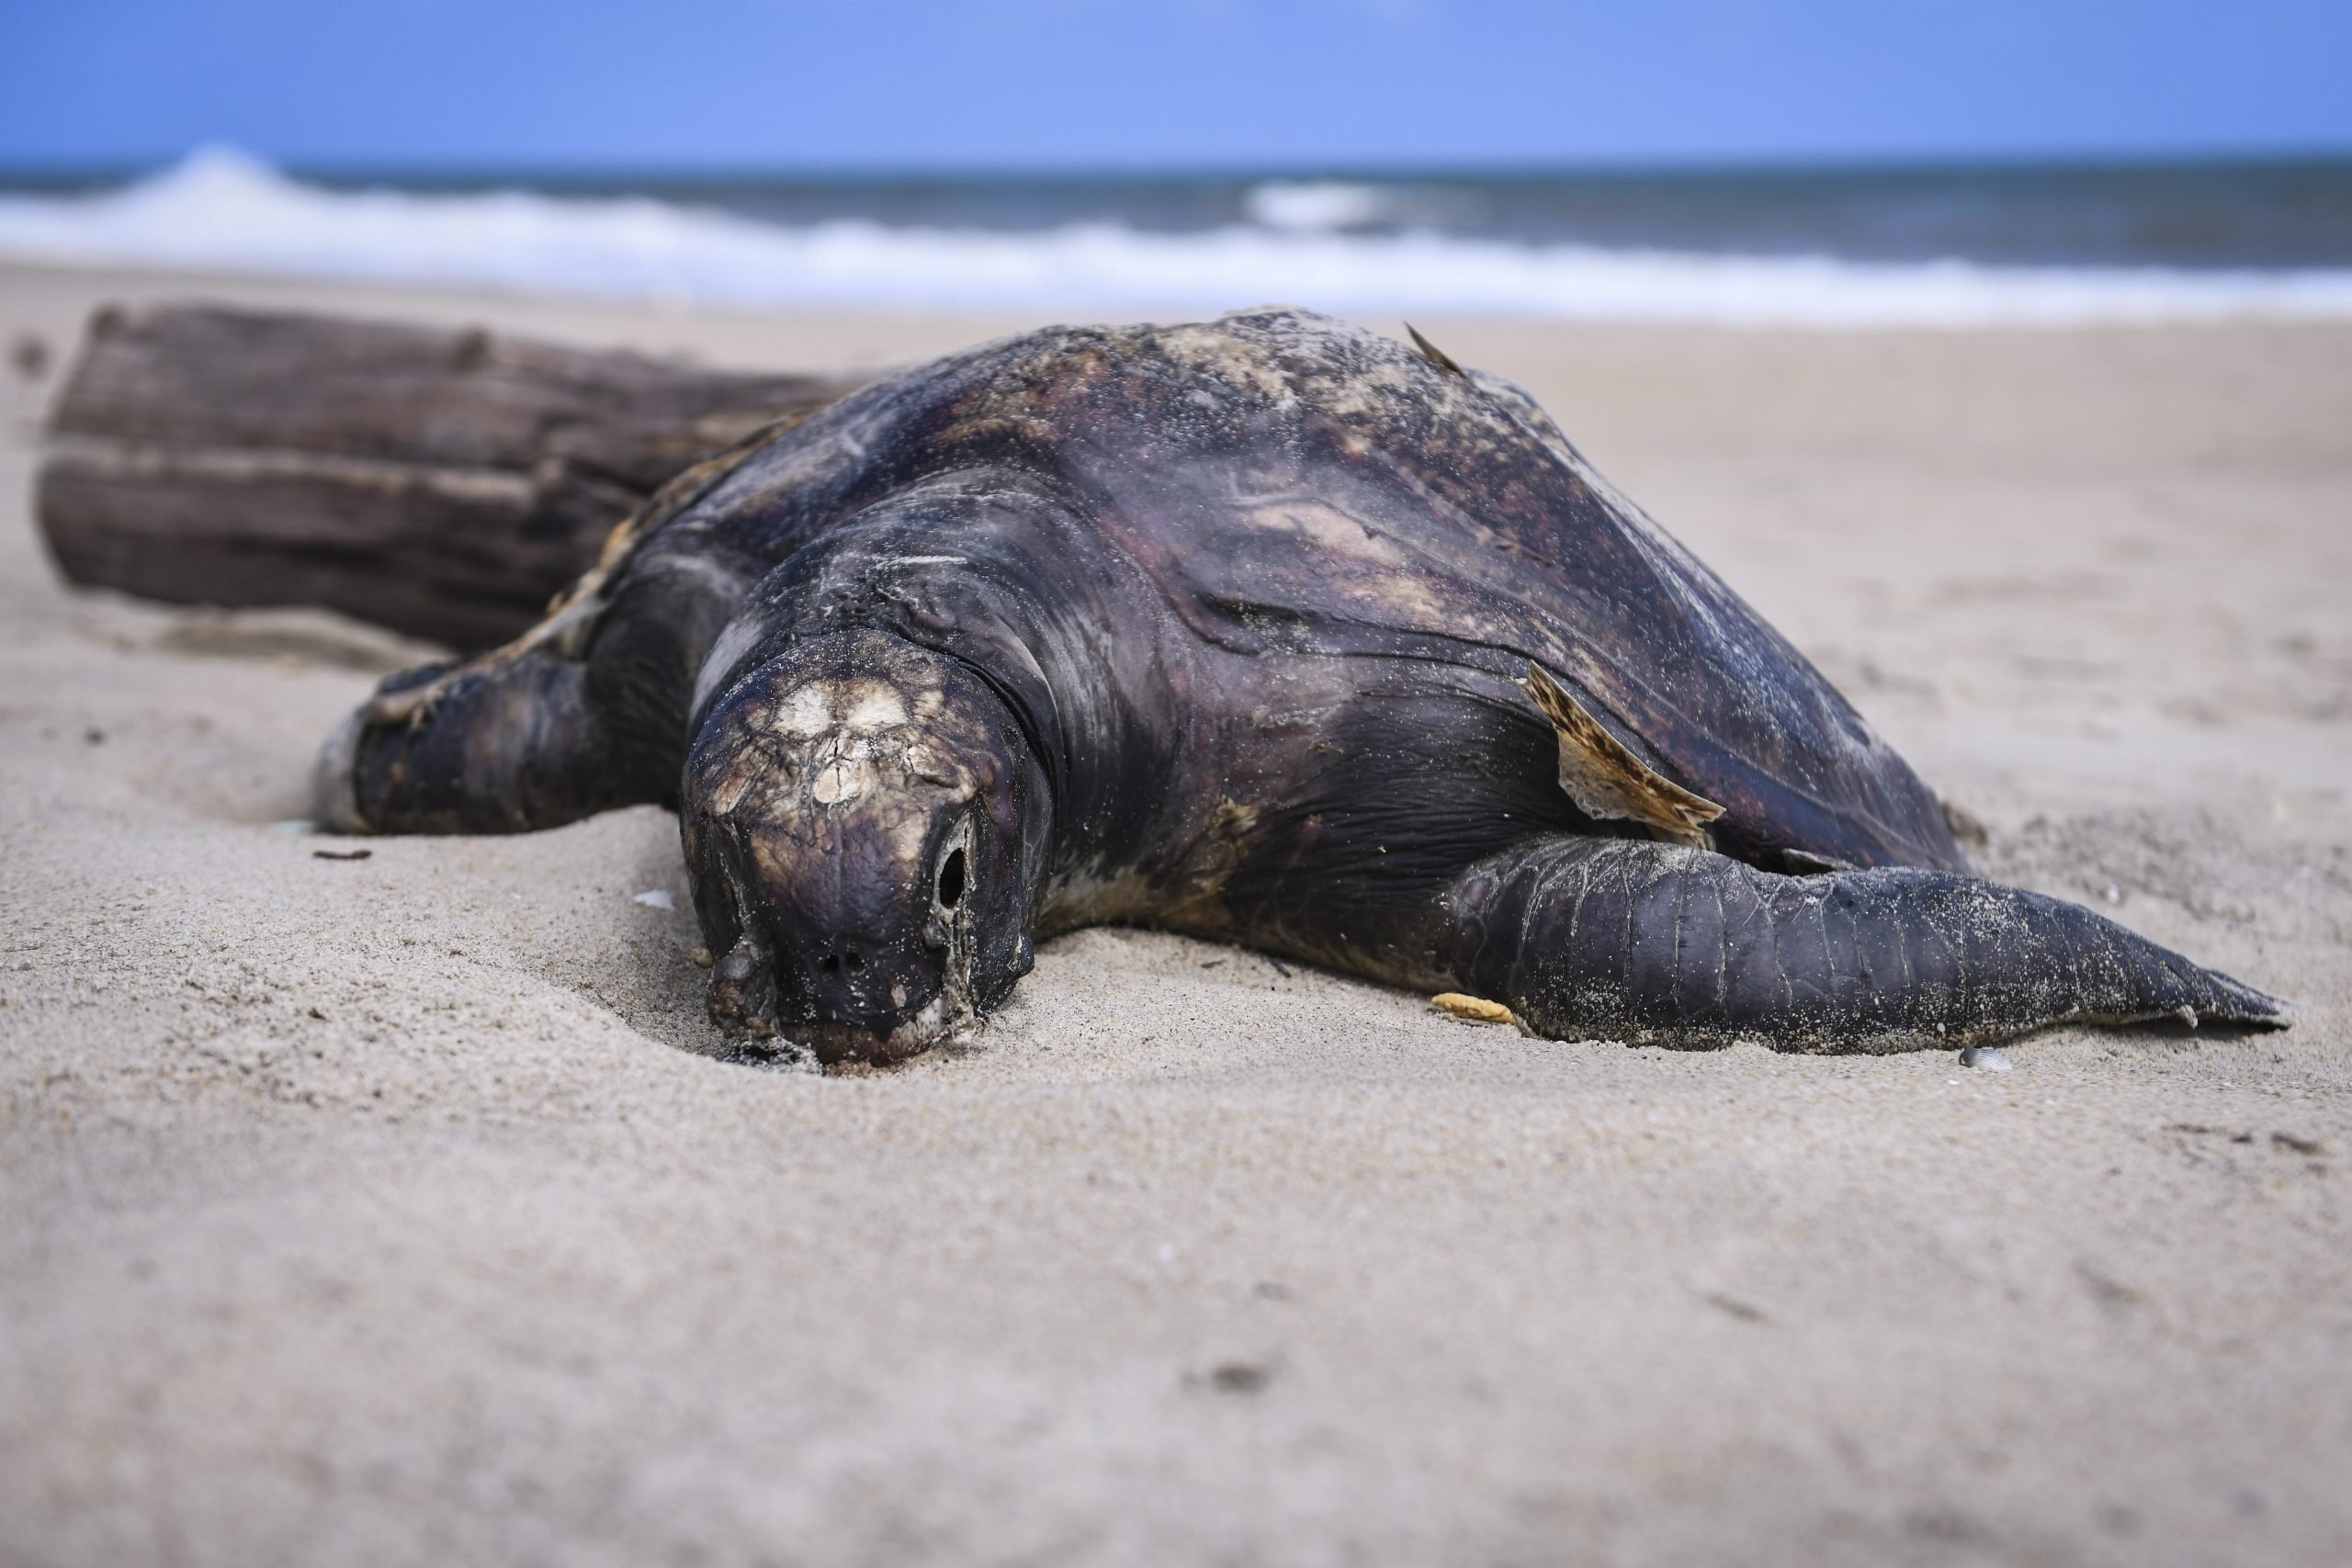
(915, 83)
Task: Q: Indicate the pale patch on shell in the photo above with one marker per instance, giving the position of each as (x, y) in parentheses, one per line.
(733, 788)
(1330, 530)
(908, 835)
(844, 738)
(1406, 594)
(873, 705)
(839, 778)
(1375, 392)
(806, 710)
(1229, 358)
(774, 854)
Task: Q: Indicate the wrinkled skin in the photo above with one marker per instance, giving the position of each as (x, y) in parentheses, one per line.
(1231, 629)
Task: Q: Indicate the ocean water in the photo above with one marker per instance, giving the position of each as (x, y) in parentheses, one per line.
(1948, 248)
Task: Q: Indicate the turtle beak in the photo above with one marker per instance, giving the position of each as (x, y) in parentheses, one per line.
(847, 985)
(742, 991)
(743, 1004)
(844, 993)
(851, 1001)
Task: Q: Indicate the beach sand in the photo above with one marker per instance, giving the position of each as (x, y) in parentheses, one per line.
(381, 1210)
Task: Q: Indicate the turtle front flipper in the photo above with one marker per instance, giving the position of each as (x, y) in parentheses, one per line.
(1663, 944)
(584, 713)
(485, 746)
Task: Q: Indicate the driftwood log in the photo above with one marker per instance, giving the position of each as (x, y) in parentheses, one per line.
(443, 483)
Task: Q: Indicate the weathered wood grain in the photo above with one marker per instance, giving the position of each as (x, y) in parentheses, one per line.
(441, 482)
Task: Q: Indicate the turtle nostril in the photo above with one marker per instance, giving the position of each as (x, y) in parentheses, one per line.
(830, 964)
(854, 960)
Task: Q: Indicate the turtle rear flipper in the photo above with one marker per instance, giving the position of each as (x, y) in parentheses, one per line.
(1663, 944)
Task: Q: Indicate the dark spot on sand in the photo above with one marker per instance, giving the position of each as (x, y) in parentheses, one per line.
(2294, 1145)
(2198, 1128)
(1944, 1524)
(1240, 1377)
(341, 854)
(29, 354)
(1746, 1312)
(2112, 1294)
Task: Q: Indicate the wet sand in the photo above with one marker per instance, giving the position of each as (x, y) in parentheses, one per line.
(382, 1211)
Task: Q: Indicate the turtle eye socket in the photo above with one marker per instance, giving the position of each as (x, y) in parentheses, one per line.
(951, 879)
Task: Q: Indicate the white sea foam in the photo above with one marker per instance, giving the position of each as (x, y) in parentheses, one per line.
(220, 210)
(1306, 204)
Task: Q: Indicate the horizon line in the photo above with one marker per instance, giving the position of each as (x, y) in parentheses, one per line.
(2281, 160)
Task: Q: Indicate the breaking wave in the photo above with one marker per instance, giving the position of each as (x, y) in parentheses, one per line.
(220, 210)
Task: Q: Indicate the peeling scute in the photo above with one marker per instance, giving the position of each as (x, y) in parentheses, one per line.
(1607, 780)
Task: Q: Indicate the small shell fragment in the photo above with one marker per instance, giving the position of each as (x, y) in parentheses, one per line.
(1985, 1058)
(1471, 1009)
(657, 898)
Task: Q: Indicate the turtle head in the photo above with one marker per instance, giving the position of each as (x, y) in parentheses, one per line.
(863, 826)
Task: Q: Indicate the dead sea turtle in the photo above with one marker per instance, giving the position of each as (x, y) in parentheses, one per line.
(1269, 630)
